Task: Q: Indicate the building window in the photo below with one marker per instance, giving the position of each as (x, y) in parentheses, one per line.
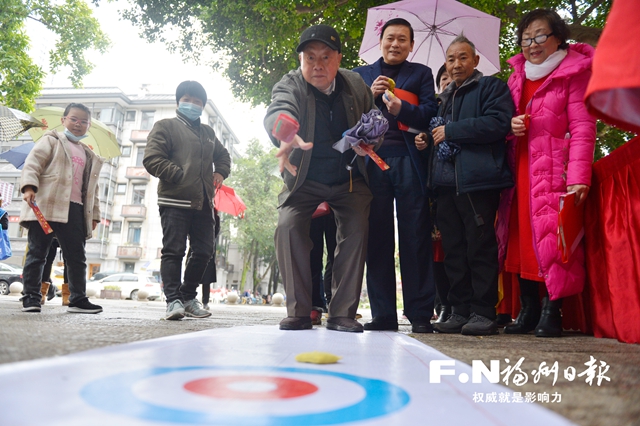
(147, 120)
(116, 226)
(118, 117)
(138, 194)
(105, 115)
(126, 151)
(129, 267)
(140, 157)
(103, 231)
(131, 116)
(135, 229)
(16, 190)
(121, 188)
(106, 189)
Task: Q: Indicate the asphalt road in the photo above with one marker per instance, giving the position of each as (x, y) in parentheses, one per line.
(615, 401)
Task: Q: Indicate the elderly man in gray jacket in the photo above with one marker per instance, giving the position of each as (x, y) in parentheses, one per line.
(325, 100)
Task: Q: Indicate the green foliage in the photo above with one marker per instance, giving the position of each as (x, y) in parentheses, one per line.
(255, 40)
(255, 181)
(77, 32)
(609, 138)
(112, 287)
(19, 76)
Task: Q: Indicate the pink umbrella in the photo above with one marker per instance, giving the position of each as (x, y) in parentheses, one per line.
(435, 24)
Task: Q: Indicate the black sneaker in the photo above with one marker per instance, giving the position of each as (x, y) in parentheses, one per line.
(84, 307)
(479, 326)
(30, 304)
(453, 324)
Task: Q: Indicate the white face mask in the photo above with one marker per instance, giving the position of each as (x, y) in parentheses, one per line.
(73, 137)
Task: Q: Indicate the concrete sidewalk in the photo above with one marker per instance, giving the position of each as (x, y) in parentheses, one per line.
(54, 332)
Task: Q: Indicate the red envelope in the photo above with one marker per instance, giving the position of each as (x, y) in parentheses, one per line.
(285, 128)
(375, 157)
(43, 222)
(570, 225)
(322, 210)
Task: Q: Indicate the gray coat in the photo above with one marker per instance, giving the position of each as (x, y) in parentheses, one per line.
(293, 97)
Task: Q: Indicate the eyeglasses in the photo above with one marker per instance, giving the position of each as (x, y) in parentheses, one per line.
(74, 120)
(539, 39)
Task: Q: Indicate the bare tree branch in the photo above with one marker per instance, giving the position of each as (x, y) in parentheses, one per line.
(584, 34)
(585, 15)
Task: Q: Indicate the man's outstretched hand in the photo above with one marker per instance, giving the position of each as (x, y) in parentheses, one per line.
(285, 150)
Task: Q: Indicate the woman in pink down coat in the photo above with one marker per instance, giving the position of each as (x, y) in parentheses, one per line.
(551, 152)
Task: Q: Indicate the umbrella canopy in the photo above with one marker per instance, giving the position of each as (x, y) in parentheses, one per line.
(13, 122)
(99, 138)
(17, 155)
(435, 24)
(227, 201)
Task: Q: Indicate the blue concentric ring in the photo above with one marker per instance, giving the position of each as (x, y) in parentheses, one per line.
(114, 394)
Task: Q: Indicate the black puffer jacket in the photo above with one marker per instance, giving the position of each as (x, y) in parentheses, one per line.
(481, 111)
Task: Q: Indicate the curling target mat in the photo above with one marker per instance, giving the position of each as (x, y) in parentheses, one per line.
(249, 376)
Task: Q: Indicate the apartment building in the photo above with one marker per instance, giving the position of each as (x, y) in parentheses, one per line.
(129, 236)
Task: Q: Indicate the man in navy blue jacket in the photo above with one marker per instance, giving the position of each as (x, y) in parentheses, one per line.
(477, 111)
(404, 182)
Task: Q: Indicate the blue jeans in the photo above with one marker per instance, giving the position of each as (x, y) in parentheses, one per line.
(177, 225)
(71, 236)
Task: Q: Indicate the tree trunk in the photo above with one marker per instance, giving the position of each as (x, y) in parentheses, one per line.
(272, 277)
(256, 279)
(245, 267)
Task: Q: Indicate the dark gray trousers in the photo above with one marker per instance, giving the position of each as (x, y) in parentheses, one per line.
(293, 245)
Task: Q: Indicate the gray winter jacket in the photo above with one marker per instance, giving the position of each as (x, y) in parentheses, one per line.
(293, 96)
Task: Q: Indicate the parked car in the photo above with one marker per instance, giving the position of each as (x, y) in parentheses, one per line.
(8, 275)
(100, 275)
(129, 285)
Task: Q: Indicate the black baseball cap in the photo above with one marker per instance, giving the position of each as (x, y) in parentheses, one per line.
(323, 33)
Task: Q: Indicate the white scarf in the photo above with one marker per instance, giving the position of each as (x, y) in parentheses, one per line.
(537, 71)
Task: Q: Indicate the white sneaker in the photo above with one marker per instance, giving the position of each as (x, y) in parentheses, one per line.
(193, 308)
(175, 310)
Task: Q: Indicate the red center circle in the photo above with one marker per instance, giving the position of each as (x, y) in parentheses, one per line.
(219, 387)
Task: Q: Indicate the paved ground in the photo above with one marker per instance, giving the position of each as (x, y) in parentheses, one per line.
(616, 402)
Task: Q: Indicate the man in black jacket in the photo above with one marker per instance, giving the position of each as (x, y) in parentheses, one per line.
(477, 111)
(182, 153)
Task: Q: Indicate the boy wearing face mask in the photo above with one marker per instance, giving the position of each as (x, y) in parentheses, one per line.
(182, 152)
(60, 176)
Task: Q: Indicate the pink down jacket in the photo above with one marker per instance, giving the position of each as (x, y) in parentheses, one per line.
(561, 145)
